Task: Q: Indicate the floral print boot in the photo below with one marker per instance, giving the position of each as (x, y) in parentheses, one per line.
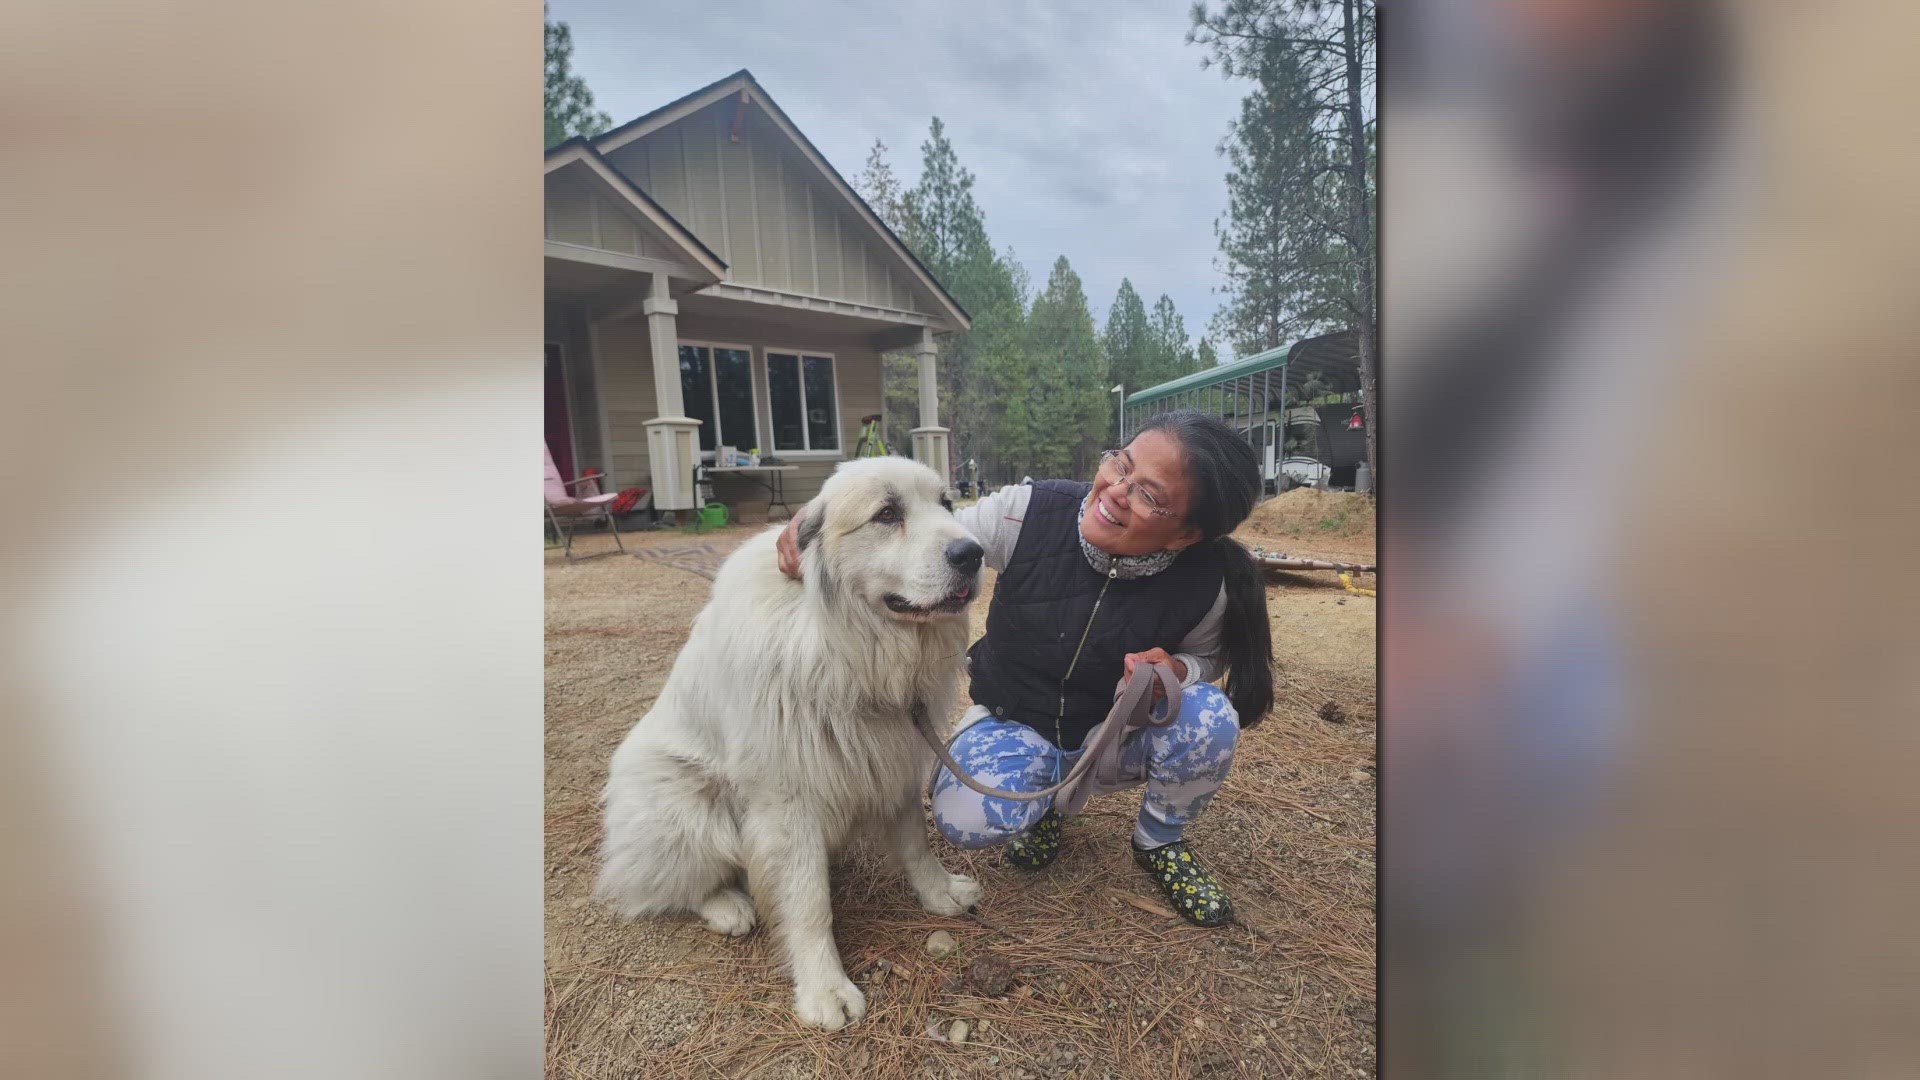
(1036, 848)
(1193, 892)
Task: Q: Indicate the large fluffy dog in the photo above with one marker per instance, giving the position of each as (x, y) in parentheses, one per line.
(784, 729)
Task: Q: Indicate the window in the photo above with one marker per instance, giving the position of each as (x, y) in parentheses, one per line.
(716, 383)
(806, 406)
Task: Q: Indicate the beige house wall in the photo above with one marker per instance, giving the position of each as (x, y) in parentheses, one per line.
(625, 367)
(764, 209)
(580, 215)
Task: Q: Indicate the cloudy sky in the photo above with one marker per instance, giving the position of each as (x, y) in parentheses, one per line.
(1088, 123)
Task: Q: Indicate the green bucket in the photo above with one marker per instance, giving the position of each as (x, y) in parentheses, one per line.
(713, 515)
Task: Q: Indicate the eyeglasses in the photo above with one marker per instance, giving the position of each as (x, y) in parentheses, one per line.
(1116, 461)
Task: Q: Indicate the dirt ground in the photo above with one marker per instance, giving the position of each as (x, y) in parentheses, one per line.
(1107, 982)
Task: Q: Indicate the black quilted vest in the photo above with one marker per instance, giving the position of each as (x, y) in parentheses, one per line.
(1041, 604)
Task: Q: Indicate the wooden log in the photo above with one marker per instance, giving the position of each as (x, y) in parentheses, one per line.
(1286, 562)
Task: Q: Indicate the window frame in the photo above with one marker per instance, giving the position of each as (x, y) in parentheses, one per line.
(713, 393)
(806, 436)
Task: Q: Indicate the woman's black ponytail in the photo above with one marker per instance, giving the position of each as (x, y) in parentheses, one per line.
(1226, 483)
(1245, 634)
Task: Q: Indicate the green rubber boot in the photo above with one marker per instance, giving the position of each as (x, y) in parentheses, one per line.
(1192, 891)
(1036, 848)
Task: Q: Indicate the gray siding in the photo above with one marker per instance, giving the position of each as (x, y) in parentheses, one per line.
(761, 206)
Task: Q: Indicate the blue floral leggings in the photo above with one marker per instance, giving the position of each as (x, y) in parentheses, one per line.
(1182, 766)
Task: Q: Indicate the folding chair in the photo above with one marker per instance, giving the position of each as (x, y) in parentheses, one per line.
(587, 505)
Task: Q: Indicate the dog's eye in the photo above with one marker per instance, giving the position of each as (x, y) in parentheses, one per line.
(888, 515)
(947, 503)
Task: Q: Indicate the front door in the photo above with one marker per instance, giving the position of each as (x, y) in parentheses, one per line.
(559, 423)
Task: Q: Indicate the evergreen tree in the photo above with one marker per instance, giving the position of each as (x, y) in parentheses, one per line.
(881, 189)
(1022, 282)
(1128, 340)
(570, 108)
(1207, 356)
(945, 226)
(1315, 62)
(900, 371)
(1067, 387)
(1171, 355)
(1276, 250)
(941, 223)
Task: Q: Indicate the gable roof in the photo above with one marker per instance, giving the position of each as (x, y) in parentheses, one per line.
(743, 81)
(581, 150)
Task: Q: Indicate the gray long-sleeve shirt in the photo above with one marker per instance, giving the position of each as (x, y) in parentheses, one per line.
(995, 521)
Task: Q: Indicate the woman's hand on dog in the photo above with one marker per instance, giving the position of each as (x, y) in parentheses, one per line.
(1155, 656)
(789, 547)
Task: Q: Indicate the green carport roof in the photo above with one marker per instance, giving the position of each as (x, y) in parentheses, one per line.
(1335, 357)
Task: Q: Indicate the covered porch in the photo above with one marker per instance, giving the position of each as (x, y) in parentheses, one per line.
(655, 359)
(792, 380)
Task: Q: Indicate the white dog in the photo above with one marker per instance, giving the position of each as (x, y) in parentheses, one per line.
(784, 729)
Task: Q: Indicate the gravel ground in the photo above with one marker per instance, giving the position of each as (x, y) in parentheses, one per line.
(1104, 981)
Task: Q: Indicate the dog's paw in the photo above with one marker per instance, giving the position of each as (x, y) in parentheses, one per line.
(728, 913)
(829, 1007)
(951, 897)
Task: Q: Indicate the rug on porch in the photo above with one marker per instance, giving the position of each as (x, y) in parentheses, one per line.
(703, 558)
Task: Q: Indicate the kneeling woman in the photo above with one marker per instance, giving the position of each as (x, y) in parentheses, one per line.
(1094, 579)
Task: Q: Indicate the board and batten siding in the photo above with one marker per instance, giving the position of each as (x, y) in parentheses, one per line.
(627, 374)
(579, 215)
(764, 209)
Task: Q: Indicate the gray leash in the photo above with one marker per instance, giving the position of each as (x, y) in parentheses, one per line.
(1132, 710)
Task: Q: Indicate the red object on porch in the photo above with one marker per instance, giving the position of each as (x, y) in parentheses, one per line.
(1356, 423)
(559, 428)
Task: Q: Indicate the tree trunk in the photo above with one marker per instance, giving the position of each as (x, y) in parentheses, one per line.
(1359, 222)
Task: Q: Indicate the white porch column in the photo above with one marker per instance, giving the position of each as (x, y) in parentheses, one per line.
(930, 439)
(673, 444)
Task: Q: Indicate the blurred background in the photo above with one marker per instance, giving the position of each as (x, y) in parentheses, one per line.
(272, 646)
(1648, 709)
(272, 663)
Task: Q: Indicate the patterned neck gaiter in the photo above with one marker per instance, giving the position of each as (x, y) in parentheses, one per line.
(1121, 566)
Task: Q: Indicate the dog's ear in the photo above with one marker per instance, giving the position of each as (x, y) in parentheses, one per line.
(813, 518)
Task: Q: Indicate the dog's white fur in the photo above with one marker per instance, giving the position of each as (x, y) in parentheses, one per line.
(784, 732)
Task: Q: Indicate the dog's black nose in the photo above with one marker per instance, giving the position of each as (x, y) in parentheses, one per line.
(965, 554)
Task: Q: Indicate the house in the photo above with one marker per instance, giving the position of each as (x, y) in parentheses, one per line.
(711, 280)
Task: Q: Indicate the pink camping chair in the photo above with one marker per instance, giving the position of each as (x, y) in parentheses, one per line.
(587, 505)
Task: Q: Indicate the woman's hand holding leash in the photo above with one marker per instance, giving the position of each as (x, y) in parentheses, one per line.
(1155, 656)
(1132, 710)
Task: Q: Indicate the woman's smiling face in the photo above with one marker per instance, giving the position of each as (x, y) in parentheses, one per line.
(1120, 520)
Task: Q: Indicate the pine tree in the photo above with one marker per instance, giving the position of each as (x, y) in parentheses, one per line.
(941, 223)
(1022, 282)
(569, 106)
(1068, 391)
(1128, 340)
(1282, 275)
(900, 371)
(881, 189)
(1206, 356)
(1321, 56)
(945, 226)
(1171, 356)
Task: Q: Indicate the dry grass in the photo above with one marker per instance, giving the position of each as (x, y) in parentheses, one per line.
(1107, 982)
(1308, 514)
